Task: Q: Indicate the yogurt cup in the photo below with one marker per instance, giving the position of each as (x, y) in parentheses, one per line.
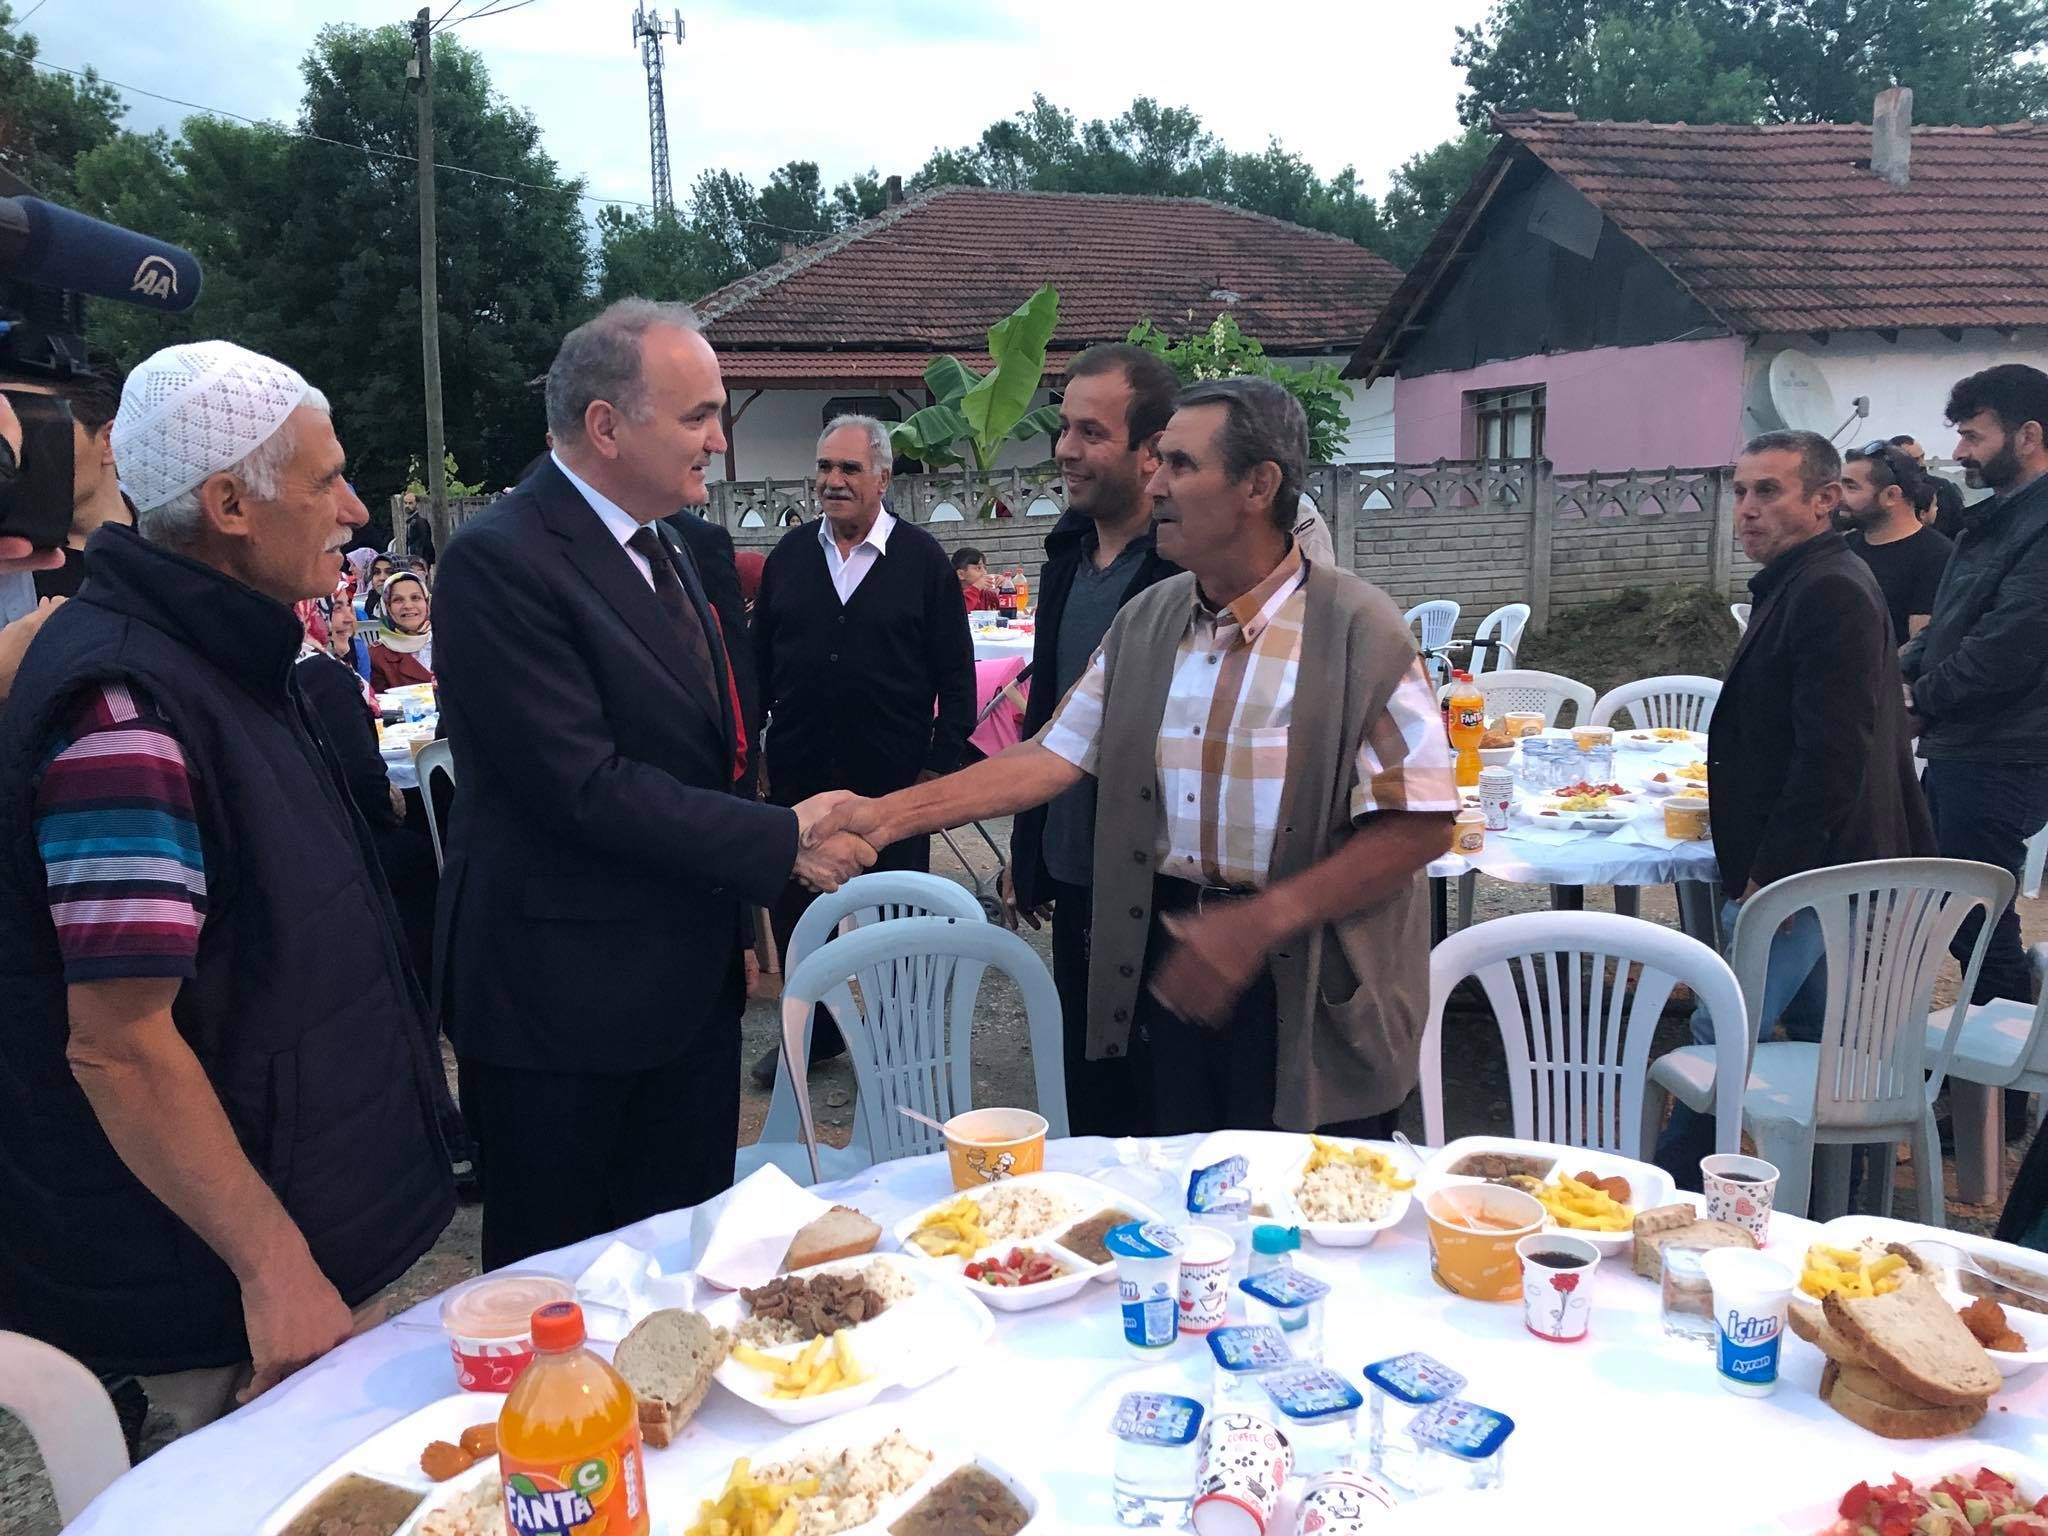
(1468, 833)
(489, 1324)
(1147, 1258)
(1685, 816)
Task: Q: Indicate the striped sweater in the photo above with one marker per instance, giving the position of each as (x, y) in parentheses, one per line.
(119, 839)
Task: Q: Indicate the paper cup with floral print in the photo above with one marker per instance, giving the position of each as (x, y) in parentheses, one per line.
(1557, 1285)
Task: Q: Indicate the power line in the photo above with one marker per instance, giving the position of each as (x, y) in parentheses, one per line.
(31, 12)
(387, 154)
(498, 9)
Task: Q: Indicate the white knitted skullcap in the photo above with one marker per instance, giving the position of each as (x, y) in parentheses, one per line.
(194, 410)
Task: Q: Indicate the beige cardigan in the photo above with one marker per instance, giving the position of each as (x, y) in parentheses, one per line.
(1347, 1049)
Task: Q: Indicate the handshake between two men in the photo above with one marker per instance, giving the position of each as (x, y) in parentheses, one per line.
(828, 854)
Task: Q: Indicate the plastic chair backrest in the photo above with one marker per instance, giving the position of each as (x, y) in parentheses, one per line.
(1506, 624)
(883, 896)
(1577, 1038)
(1436, 620)
(1739, 612)
(1680, 701)
(69, 1416)
(1520, 689)
(435, 757)
(910, 1032)
(1887, 925)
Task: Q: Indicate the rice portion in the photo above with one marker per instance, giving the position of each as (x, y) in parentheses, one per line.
(852, 1485)
(1343, 1192)
(479, 1512)
(1009, 1212)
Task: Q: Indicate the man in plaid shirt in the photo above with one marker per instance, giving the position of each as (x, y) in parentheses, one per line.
(1265, 729)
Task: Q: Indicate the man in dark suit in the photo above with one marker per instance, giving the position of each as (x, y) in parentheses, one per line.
(1809, 755)
(604, 854)
(711, 547)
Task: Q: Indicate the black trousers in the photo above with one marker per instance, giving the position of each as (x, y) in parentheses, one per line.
(1986, 810)
(566, 1155)
(1215, 1079)
(913, 854)
(1104, 1098)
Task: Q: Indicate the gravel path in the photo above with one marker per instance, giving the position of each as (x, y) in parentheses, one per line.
(1475, 1090)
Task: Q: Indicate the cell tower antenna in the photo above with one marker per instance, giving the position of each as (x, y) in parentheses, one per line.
(648, 31)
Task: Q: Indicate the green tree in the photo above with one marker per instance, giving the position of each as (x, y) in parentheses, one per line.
(1223, 351)
(47, 120)
(1423, 190)
(1968, 61)
(656, 256)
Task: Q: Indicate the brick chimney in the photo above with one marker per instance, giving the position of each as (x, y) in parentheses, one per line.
(892, 191)
(1891, 135)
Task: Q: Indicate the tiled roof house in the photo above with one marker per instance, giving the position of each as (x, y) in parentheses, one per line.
(1616, 294)
(853, 320)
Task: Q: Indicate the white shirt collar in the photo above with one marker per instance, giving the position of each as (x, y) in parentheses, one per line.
(877, 539)
(620, 523)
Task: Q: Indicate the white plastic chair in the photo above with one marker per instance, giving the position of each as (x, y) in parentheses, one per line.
(1504, 624)
(788, 1139)
(1677, 701)
(1519, 689)
(1739, 612)
(1870, 1078)
(2000, 1044)
(69, 1416)
(2037, 857)
(435, 757)
(910, 1029)
(1433, 622)
(1577, 1041)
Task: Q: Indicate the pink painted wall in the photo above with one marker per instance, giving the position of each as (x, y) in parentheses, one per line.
(1610, 408)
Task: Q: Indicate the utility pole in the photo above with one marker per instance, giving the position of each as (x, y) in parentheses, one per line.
(648, 31)
(430, 282)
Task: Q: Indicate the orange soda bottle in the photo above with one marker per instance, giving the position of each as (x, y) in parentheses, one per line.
(1466, 718)
(1023, 594)
(569, 1439)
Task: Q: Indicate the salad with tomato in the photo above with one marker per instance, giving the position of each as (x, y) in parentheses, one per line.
(1956, 1505)
(1023, 1266)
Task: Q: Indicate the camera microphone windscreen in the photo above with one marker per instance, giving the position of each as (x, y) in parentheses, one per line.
(45, 244)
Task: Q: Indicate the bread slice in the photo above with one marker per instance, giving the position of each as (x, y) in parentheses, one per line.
(841, 1233)
(1914, 1340)
(668, 1360)
(1680, 1224)
(1924, 1421)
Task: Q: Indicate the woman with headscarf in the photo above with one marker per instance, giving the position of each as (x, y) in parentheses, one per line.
(403, 651)
(381, 568)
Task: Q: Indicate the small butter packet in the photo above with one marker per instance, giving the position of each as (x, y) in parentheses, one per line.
(1461, 1429)
(1284, 1286)
(1220, 1186)
(1415, 1378)
(1158, 1418)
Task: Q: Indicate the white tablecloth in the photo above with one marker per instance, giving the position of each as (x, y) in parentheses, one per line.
(1666, 1441)
(995, 644)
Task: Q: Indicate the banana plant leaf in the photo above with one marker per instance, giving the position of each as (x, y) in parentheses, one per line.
(999, 400)
(932, 435)
(1043, 422)
(948, 379)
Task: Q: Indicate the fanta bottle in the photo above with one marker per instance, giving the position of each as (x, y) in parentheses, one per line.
(1023, 593)
(1466, 717)
(569, 1439)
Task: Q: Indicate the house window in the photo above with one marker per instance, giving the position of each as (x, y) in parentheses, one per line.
(1507, 424)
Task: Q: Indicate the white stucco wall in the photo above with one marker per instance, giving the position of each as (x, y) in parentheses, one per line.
(777, 435)
(1908, 381)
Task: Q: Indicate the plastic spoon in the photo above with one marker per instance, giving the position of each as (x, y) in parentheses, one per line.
(1948, 1256)
(922, 1119)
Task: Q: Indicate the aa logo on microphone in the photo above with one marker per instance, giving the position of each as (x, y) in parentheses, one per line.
(155, 278)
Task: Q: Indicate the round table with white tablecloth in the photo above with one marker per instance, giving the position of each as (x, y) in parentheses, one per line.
(993, 644)
(1626, 1420)
(1639, 854)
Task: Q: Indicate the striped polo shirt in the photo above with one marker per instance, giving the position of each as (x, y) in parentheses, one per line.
(119, 838)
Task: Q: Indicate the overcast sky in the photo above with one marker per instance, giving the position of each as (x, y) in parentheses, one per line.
(757, 83)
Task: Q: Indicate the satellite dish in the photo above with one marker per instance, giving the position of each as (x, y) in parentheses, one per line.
(1799, 394)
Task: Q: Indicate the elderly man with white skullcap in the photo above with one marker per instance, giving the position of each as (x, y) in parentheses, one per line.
(216, 1122)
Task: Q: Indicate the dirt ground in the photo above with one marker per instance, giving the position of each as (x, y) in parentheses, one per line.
(1474, 1083)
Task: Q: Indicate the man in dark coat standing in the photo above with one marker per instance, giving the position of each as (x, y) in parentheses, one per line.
(1098, 557)
(866, 665)
(1810, 756)
(605, 854)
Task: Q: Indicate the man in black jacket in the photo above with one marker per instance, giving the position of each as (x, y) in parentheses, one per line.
(1097, 558)
(1810, 755)
(866, 665)
(1978, 673)
(605, 855)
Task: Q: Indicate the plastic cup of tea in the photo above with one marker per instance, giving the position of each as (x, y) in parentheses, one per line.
(1147, 1258)
(1751, 1293)
(1741, 1190)
(1557, 1285)
(1206, 1256)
